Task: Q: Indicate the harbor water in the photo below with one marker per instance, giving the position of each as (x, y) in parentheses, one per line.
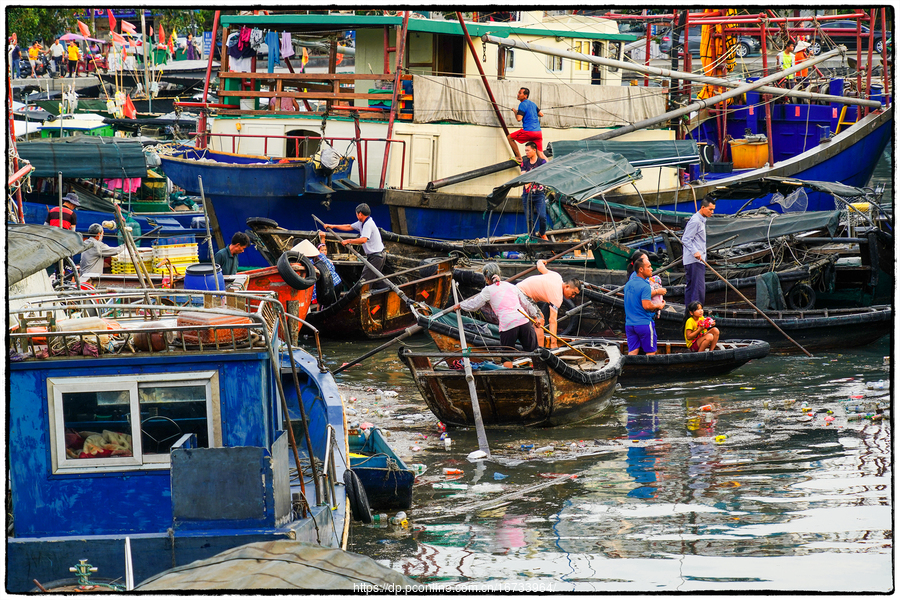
(760, 480)
(767, 479)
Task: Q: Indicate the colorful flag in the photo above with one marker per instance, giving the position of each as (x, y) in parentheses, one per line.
(126, 26)
(112, 20)
(118, 39)
(305, 58)
(162, 34)
(84, 29)
(129, 110)
(172, 43)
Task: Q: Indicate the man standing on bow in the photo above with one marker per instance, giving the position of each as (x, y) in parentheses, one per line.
(369, 237)
(693, 243)
(528, 113)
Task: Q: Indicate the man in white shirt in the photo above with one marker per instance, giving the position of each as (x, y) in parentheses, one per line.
(56, 54)
(369, 237)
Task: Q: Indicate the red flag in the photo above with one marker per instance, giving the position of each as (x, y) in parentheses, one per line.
(162, 34)
(129, 110)
(117, 38)
(172, 43)
(126, 26)
(305, 58)
(112, 20)
(84, 29)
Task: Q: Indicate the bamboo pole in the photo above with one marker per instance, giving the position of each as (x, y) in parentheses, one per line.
(764, 315)
(559, 339)
(470, 380)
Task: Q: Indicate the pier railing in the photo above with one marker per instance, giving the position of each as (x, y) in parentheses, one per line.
(362, 145)
(336, 90)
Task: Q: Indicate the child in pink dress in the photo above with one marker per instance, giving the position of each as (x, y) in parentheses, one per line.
(656, 300)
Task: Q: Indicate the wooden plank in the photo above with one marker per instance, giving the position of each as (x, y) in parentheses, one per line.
(322, 77)
(310, 95)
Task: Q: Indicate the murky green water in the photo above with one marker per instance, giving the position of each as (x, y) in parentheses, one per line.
(723, 484)
(714, 485)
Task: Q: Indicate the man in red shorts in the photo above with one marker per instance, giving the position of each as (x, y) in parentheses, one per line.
(528, 113)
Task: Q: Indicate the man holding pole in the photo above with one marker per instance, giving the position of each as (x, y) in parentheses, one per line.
(369, 237)
(693, 242)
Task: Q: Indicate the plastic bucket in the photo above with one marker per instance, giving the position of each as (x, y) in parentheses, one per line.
(202, 277)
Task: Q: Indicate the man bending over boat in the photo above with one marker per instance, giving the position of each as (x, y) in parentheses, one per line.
(507, 301)
(92, 257)
(548, 287)
(369, 237)
(227, 257)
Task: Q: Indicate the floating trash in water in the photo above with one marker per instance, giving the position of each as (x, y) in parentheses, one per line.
(418, 468)
(721, 438)
(878, 385)
(748, 388)
(477, 455)
(449, 486)
(528, 447)
(447, 442)
(451, 471)
(544, 449)
(500, 476)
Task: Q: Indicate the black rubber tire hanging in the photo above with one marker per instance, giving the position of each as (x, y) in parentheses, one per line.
(356, 494)
(290, 276)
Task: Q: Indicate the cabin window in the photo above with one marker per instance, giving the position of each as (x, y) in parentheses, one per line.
(116, 423)
(510, 59)
(554, 63)
(583, 47)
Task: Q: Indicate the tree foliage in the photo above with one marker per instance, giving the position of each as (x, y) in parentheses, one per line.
(39, 23)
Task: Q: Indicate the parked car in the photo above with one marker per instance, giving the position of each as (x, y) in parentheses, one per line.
(745, 45)
(847, 37)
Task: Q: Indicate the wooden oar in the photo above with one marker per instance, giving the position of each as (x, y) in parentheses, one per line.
(381, 276)
(414, 329)
(764, 315)
(470, 379)
(559, 339)
(410, 270)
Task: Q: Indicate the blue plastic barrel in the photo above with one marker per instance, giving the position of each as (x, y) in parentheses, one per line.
(201, 277)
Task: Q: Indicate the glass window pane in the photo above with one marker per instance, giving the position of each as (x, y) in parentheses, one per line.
(97, 424)
(169, 412)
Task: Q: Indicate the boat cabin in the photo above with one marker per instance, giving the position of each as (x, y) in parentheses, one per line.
(161, 419)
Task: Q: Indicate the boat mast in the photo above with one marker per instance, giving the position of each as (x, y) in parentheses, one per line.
(401, 50)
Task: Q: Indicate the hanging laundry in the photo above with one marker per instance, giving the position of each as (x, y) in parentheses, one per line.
(274, 45)
(287, 48)
(244, 37)
(257, 37)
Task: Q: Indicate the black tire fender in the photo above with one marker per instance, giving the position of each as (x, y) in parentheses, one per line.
(801, 297)
(356, 494)
(262, 222)
(290, 276)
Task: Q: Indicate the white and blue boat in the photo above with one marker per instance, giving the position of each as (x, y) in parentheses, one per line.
(145, 435)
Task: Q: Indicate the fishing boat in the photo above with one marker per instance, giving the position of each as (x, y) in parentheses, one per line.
(815, 330)
(543, 388)
(238, 186)
(671, 363)
(386, 478)
(172, 432)
(373, 310)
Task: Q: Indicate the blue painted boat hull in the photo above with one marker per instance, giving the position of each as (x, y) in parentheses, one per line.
(387, 480)
(239, 187)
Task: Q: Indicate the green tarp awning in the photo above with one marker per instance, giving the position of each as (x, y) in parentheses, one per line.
(663, 153)
(577, 176)
(35, 247)
(85, 156)
(764, 224)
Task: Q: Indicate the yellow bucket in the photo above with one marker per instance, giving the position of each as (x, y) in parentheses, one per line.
(749, 155)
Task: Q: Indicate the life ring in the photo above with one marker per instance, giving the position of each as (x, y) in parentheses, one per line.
(801, 297)
(290, 276)
(356, 494)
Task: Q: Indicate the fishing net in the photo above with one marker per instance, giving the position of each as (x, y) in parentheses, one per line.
(796, 201)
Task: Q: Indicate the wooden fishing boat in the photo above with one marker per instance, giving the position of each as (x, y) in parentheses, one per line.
(674, 361)
(546, 388)
(815, 330)
(374, 311)
(386, 478)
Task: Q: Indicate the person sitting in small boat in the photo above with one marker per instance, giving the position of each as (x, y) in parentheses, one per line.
(548, 287)
(227, 257)
(700, 333)
(508, 302)
(325, 292)
(92, 257)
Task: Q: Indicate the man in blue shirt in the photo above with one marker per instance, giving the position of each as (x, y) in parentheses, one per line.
(640, 328)
(693, 242)
(528, 113)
